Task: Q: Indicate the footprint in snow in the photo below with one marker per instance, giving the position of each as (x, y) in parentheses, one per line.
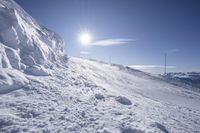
(123, 100)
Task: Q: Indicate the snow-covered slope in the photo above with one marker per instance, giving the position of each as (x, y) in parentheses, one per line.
(42, 91)
(24, 44)
(90, 96)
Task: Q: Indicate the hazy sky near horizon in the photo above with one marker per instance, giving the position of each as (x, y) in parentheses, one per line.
(143, 30)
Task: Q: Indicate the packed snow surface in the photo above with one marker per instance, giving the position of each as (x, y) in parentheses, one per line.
(90, 96)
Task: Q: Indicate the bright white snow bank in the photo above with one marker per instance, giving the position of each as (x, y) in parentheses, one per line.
(25, 47)
(24, 44)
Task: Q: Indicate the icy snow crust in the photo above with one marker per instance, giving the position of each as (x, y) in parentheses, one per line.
(88, 96)
(43, 91)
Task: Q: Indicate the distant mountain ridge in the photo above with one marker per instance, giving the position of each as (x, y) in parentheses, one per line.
(190, 80)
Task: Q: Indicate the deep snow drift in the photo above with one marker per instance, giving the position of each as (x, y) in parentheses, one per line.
(24, 44)
(43, 91)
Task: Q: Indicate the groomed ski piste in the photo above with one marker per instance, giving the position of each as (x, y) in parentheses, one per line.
(43, 90)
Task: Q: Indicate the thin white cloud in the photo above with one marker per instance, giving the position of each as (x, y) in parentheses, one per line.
(142, 67)
(84, 52)
(173, 50)
(111, 42)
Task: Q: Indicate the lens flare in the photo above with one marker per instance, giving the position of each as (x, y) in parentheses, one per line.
(85, 38)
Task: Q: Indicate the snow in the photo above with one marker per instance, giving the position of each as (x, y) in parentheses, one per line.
(79, 98)
(11, 80)
(161, 127)
(37, 71)
(99, 96)
(41, 90)
(14, 58)
(130, 130)
(123, 100)
(24, 42)
(4, 61)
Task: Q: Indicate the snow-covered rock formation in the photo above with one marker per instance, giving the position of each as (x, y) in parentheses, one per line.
(24, 44)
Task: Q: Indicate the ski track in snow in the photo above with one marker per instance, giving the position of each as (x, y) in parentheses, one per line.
(81, 97)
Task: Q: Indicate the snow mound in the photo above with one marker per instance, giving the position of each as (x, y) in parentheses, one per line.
(24, 44)
(123, 100)
(99, 96)
(11, 80)
(161, 127)
(130, 130)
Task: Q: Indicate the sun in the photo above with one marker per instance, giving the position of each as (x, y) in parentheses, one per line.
(85, 38)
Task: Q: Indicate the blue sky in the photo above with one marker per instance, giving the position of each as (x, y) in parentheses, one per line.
(150, 28)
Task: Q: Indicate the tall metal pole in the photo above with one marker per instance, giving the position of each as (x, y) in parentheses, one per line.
(165, 63)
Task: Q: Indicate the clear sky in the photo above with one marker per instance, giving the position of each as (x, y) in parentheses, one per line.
(140, 31)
